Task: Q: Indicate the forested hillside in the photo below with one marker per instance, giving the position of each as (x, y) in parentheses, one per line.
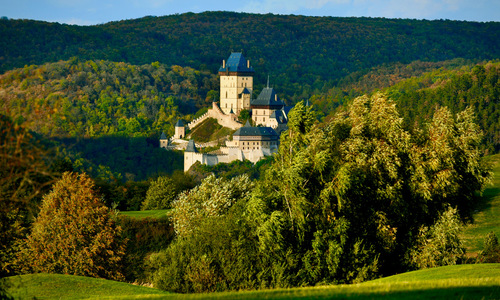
(477, 87)
(302, 55)
(99, 98)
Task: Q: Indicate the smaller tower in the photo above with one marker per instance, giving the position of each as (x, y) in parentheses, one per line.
(190, 155)
(163, 140)
(180, 130)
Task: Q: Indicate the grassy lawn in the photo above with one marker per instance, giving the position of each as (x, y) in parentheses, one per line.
(452, 282)
(55, 286)
(146, 213)
(487, 218)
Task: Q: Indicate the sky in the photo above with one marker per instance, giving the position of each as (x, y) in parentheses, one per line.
(92, 12)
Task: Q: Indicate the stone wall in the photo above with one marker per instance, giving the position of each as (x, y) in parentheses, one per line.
(229, 121)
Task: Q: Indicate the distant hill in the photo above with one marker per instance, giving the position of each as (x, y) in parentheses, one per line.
(476, 86)
(302, 55)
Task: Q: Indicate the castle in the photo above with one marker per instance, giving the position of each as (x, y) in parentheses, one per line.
(268, 112)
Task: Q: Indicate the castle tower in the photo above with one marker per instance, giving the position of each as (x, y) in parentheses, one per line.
(163, 140)
(180, 130)
(236, 84)
(191, 155)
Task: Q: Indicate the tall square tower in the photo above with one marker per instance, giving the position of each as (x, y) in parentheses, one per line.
(236, 84)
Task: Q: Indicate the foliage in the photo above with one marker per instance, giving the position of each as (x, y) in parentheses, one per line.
(232, 169)
(211, 199)
(491, 251)
(476, 87)
(74, 233)
(439, 245)
(25, 174)
(144, 235)
(101, 98)
(343, 202)
(113, 158)
(214, 250)
(319, 50)
(160, 194)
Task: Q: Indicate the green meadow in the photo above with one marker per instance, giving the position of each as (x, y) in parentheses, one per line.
(486, 218)
(481, 281)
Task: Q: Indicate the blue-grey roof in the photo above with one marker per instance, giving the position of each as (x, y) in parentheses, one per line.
(179, 123)
(245, 91)
(191, 147)
(236, 63)
(248, 130)
(282, 115)
(163, 136)
(268, 97)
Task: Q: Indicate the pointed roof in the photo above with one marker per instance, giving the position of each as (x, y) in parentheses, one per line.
(191, 147)
(268, 96)
(179, 123)
(245, 91)
(163, 136)
(236, 63)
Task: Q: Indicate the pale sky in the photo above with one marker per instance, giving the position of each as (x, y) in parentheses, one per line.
(91, 12)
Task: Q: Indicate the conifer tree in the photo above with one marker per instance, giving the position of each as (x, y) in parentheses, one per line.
(74, 233)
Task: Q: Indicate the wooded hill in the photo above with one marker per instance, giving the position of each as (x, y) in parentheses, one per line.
(302, 55)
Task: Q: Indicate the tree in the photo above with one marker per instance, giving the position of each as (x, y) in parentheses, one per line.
(214, 249)
(24, 175)
(160, 194)
(211, 199)
(439, 244)
(74, 233)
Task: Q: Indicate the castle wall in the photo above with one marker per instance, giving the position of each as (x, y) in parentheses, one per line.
(226, 120)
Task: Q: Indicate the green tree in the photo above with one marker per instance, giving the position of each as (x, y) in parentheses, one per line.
(439, 244)
(74, 233)
(160, 194)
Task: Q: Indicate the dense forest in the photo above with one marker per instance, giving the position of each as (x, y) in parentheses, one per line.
(302, 55)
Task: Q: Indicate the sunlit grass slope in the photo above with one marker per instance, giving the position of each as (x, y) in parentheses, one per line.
(487, 218)
(452, 282)
(56, 286)
(146, 213)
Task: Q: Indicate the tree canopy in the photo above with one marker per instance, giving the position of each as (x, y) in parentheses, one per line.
(74, 233)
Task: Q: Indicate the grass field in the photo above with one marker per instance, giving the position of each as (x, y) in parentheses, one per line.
(146, 213)
(487, 218)
(452, 282)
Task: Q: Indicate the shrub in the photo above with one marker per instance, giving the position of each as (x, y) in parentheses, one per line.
(491, 251)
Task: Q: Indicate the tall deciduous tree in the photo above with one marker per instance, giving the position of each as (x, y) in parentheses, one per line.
(74, 233)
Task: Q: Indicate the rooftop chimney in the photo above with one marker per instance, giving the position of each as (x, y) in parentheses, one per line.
(276, 97)
(248, 64)
(223, 63)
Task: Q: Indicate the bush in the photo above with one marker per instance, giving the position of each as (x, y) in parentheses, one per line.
(491, 251)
